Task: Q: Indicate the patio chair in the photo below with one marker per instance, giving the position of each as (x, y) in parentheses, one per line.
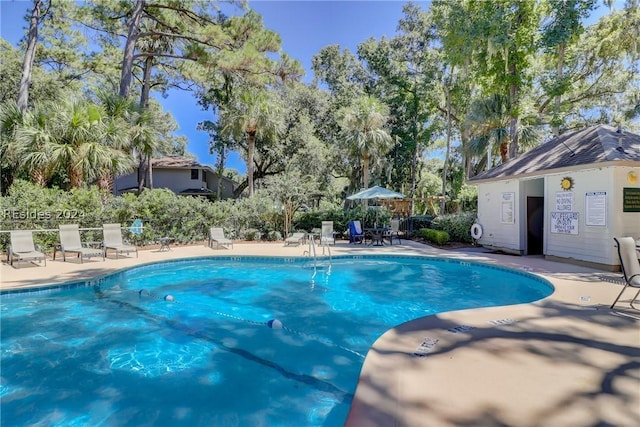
(327, 235)
(355, 232)
(295, 239)
(629, 264)
(112, 235)
(22, 247)
(394, 231)
(70, 242)
(216, 234)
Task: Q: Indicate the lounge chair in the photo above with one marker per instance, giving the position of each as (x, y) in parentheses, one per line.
(327, 235)
(355, 232)
(70, 242)
(295, 239)
(112, 234)
(629, 264)
(394, 231)
(23, 248)
(216, 234)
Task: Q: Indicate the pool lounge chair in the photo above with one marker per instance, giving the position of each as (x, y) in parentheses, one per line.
(295, 239)
(356, 235)
(394, 231)
(112, 235)
(70, 242)
(216, 234)
(630, 266)
(327, 235)
(22, 247)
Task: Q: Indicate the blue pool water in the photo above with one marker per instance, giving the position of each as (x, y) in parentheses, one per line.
(110, 355)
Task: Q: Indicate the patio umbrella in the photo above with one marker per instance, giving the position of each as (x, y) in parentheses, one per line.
(376, 192)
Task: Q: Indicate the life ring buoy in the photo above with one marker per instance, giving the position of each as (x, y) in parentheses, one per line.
(476, 231)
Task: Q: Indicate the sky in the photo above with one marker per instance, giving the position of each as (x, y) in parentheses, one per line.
(305, 27)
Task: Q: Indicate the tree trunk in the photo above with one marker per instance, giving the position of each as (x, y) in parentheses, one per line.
(221, 160)
(142, 172)
(556, 126)
(443, 201)
(75, 177)
(146, 82)
(365, 169)
(504, 150)
(38, 177)
(29, 55)
(105, 181)
(513, 125)
(129, 48)
(251, 139)
(144, 104)
(149, 171)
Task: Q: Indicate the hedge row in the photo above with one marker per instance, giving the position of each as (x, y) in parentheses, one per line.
(435, 236)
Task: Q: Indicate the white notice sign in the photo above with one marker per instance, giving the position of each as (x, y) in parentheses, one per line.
(564, 201)
(596, 208)
(564, 222)
(507, 206)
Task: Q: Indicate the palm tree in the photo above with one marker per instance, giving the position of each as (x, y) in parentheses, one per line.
(254, 116)
(488, 122)
(363, 126)
(32, 141)
(11, 119)
(74, 137)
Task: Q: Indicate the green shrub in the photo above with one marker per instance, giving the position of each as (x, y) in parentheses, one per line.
(252, 234)
(435, 236)
(274, 236)
(313, 219)
(418, 222)
(458, 225)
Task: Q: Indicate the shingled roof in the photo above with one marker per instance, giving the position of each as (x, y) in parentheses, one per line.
(595, 144)
(175, 162)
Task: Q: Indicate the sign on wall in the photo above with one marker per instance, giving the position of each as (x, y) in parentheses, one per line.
(564, 201)
(507, 208)
(631, 199)
(564, 222)
(596, 208)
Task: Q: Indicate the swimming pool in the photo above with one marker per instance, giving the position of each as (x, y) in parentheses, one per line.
(118, 353)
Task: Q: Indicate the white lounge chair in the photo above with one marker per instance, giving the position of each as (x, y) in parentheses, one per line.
(23, 248)
(295, 239)
(70, 242)
(112, 235)
(394, 231)
(327, 235)
(629, 264)
(216, 234)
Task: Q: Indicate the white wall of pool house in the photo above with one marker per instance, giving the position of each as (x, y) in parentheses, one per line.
(589, 243)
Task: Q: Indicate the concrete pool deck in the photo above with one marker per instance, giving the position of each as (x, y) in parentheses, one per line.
(566, 360)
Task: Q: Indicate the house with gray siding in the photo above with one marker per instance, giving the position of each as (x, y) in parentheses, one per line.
(183, 176)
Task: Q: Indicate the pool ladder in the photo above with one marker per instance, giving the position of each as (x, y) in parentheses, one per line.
(312, 251)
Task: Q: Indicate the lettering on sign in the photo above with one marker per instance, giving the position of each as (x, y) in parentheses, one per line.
(631, 199)
(564, 201)
(596, 208)
(564, 222)
(507, 207)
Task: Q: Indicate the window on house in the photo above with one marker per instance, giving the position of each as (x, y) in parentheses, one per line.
(204, 176)
(194, 173)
